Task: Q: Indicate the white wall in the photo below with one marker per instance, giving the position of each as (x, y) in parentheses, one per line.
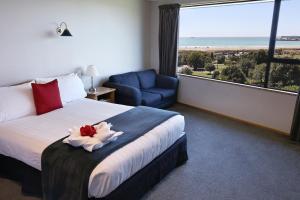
(259, 106)
(111, 34)
(264, 107)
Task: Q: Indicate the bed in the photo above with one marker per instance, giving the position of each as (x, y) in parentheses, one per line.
(154, 154)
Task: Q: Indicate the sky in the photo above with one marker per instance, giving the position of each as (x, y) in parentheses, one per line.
(250, 19)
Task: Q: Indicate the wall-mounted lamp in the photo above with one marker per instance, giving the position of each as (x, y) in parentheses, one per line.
(63, 30)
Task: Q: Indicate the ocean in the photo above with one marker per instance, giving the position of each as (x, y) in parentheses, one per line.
(233, 42)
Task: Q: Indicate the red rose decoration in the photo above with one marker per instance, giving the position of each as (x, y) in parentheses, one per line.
(87, 130)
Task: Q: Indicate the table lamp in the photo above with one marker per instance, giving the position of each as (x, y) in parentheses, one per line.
(92, 72)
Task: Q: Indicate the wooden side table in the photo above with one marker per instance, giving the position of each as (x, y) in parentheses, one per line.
(103, 94)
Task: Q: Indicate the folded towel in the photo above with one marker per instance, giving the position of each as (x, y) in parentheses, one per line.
(103, 136)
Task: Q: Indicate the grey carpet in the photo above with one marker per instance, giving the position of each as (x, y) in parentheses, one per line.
(227, 160)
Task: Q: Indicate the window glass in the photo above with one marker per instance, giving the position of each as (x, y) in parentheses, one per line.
(215, 43)
(288, 34)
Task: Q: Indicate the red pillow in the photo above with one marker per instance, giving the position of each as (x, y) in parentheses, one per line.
(46, 97)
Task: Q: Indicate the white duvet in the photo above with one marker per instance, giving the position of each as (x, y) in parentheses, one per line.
(26, 138)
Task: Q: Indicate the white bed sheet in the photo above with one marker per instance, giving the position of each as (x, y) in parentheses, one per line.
(26, 138)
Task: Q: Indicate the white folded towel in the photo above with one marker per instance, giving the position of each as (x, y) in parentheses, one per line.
(103, 136)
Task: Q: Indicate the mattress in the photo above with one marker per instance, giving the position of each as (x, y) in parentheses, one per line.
(25, 139)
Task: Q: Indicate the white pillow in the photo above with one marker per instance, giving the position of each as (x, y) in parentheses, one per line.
(70, 87)
(16, 102)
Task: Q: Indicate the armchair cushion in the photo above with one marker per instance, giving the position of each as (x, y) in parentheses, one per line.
(166, 82)
(126, 94)
(150, 99)
(165, 93)
(129, 79)
(147, 78)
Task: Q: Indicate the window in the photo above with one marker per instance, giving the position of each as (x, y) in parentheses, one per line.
(231, 42)
(288, 34)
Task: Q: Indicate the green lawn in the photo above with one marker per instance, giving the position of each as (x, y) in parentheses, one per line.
(219, 67)
(202, 73)
(207, 74)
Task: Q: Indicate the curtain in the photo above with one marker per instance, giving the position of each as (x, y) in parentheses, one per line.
(168, 38)
(295, 131)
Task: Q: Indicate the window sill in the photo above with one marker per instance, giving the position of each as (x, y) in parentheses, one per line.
(240, 85)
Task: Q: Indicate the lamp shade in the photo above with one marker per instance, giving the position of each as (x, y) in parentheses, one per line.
(92, 71)
(66, 33)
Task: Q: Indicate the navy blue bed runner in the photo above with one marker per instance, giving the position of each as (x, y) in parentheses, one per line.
(66, 169)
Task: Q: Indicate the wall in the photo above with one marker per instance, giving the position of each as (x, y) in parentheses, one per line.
(263, 107)
(259, 106)
(111, 34)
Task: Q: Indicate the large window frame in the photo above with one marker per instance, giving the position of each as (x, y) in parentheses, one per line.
(272, 45)
(272, 42)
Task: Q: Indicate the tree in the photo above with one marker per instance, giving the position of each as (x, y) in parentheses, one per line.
(278, 75)
(234, 74)
(195, 60)
(233, 58)
(261, 56)
(284, 74)
(210, 67)
(212, 56)
(186, 70)
(258, 74)
(279, 51)
(198, 59)
(258, 57)
(221, 59)
(183, 58)
(293, 75)
(246, 65)
(216, 75)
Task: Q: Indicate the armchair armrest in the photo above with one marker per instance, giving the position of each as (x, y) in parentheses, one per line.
(126, 94)
(167, 82)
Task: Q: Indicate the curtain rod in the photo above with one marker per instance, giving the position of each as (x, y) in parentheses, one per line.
(222, 2)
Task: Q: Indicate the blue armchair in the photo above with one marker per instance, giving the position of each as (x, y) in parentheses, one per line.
(144, 88)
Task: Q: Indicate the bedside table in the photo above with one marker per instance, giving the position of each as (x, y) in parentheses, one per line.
(103, 94)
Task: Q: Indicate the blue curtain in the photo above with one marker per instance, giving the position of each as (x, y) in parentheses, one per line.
(168, 38)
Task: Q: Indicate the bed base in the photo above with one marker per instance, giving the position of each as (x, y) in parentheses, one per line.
(134, 188)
